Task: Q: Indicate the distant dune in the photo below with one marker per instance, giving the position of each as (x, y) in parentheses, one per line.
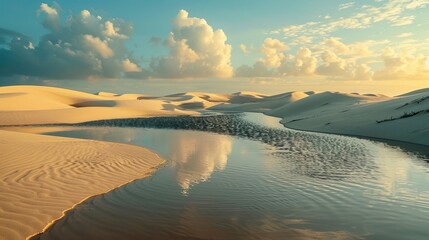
(402, 118)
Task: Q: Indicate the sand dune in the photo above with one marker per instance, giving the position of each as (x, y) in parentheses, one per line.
(401, 118)
(20, 105)
(41, 176)
(373, 115)
(360, 115)
(260, 104)
(321, 102)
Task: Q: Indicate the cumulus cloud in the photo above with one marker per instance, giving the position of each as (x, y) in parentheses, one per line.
(52, 20)
(98, 45)
(259, 69)
(324, 62)
(354, 50)
(129, 66)
(362, 72)
(403, 65)
(277, 63)
(337, 67)
(84, 46)
(335, 43)
(302, 63)
(273, 49)
(111, 31)
(332, 64)
(195, 50)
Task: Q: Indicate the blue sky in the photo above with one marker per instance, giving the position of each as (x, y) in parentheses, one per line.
(288, 41)
(244, 21)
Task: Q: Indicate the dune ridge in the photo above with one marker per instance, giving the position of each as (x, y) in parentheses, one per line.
(41, 176)
(401, 118)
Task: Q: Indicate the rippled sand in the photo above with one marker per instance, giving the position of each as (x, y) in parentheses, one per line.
(41, 176)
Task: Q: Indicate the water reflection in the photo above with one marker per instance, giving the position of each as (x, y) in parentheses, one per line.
(396, 173)
(193, 155)
(246, 200)
(199, 226)
(196, 156)
(284, 185)
(315, 155)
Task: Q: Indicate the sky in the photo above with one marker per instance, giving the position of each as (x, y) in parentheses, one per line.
(167, 46)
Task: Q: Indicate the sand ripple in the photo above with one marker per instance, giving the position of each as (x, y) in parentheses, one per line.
(41, 176)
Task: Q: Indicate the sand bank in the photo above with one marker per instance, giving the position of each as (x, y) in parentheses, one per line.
(42, 176)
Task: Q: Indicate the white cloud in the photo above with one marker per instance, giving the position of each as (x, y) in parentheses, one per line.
(403, 65)
(84, 46)
(277, 63)
(244, 49)
(362, 72)
(346, 5)
(404, 35)
(337, 67)
(390, 11)
(273, 50)
(339, 46)
(112, 31)
(48, 10)
(353, 50)
(259, 69)
(402, 21)
(302, 40)
(296, 30)
(85, 14)
(98, 45)
(196, 50)
(129, 66)
(303, 63)
(52, 20)
(413, 4)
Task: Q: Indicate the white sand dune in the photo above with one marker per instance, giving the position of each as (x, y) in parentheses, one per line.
(41, 176)
(20, 105)
(375, 116)
(401, 118)
(331, 112)
(260, 104)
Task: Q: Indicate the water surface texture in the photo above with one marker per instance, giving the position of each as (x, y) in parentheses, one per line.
(247, 177)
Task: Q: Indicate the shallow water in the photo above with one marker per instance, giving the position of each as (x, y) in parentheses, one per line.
(254, 179)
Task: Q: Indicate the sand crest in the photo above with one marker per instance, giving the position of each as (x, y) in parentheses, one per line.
(401, 118)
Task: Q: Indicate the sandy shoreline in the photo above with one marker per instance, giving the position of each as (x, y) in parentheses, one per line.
(42, 176)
